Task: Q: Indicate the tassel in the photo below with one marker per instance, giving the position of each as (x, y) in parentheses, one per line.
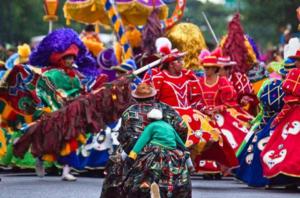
(68, 22)
(97, 28)
(93, 8)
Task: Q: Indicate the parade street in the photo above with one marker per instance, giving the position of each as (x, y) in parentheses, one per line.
(23, 185)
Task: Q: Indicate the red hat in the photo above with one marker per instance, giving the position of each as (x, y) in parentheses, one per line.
(172, 55)
(225, 61)
(211, 61)
(296, 56)
(72, 50)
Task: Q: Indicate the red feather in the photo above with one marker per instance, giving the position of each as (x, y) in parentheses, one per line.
(165, 50)
(217, 52)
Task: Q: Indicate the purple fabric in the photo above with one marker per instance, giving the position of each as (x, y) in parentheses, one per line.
(158, 3)
(254, 47)
(57, 42)
(110, 73)
(77, 1)
(149, 3)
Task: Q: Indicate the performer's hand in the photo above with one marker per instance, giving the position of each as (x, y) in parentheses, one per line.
(244, 102)
(218, 109)
(208, 112)
(129, 162)
(273, 124)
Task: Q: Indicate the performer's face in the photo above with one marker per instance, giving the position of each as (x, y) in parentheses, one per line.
(209, 71)
(177, 66)
(298, 63)
(69, 61)
(225, 71)
(120, 74)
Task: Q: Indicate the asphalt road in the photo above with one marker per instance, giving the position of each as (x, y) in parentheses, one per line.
(27, 185)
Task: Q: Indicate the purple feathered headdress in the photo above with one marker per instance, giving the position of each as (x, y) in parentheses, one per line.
(253, 45)
(59, 41)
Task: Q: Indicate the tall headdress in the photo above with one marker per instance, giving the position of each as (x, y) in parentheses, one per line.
(151, 32)
(59, 41)
(237, 46)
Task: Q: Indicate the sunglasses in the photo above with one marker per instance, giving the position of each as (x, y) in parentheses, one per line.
(178, 61)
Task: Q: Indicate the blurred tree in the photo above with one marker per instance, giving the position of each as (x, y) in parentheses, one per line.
(265, 20)
(24, 19)
(215, 13)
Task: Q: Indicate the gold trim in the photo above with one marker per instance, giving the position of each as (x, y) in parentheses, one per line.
(212, 84)
(161, 145)
(133, 155)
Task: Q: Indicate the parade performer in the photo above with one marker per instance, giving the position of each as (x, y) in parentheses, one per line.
(126, 67)
(243, 88)
(153, 115)
(57, 83)
(106, 59)
(10, 129)
(218, 95)
(279, 158)
(242, 49)
(180, 89)
(159, 142)
(134, 120)
(271, 98)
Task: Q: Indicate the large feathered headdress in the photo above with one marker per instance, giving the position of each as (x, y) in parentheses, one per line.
(58, 42)
(237, 47)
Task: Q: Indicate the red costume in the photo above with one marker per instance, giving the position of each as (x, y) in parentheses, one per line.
(181, 92)
(244, 90)
(280, 155)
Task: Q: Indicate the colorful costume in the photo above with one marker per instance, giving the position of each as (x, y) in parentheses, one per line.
(180, 92)
(244, 89)
(134, 120)
(160, 160)
(250, 171)
(53, 85)
(279, 159)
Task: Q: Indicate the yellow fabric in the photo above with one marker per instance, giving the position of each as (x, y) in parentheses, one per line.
(50, 18)
(3, 142)
(207, 128)
(48, 158)
(93, 46)
(97, 28)
(66, 150)
(257, 85)
(134, 37)
(133, 155)
(8, 109)
(92, 11)
(81, 139)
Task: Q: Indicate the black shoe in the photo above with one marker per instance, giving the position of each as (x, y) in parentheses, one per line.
(207, 176)
(292, 187)
(218, 176)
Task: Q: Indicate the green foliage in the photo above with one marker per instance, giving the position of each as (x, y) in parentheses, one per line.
(215, 13)
(264, 19)
(24, 19)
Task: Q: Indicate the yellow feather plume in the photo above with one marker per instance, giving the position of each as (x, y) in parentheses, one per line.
(24, 50)
(134, 37)
(187, 37)
(94, 47)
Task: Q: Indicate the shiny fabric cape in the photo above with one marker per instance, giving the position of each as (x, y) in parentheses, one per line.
(90, 112)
